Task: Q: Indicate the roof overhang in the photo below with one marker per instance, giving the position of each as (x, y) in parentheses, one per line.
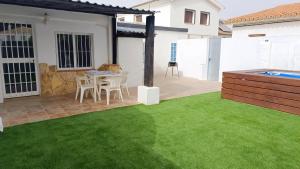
(131, 34)
(132, 26)
(265, 22)
(217, 4)
(77, 6)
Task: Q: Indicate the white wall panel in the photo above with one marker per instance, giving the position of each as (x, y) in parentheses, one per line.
(271, 30)
(162, 48)
(281, 57)
(240, 54)
(131, 59)
(192, 57)
(297, 56)
(278, 52)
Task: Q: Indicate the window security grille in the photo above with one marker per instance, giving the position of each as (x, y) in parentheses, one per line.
(74, 51)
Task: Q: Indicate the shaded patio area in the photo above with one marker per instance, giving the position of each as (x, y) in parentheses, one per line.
(36, 108)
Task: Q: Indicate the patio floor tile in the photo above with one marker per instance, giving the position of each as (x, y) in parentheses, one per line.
(35, 108)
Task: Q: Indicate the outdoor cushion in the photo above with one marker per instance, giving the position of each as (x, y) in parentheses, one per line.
(115, 68)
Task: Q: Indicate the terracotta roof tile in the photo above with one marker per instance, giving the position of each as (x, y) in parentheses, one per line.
(279, 13)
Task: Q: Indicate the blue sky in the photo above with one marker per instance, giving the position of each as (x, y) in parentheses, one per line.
(233, 7)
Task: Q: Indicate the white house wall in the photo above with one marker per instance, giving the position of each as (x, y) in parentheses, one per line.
(60, 21)
(163, 15)
(131, 58)
(257, 53)
(276, 29)
(192, 57)
(177, 19)
(162, 48)
(127, 17)
(239, 54)
(45, 38)
(171, 13)
(284, 53)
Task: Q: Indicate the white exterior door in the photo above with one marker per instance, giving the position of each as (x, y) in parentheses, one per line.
(18, 61)
(214, 59)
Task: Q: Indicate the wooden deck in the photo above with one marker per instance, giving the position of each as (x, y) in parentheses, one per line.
(277, 93)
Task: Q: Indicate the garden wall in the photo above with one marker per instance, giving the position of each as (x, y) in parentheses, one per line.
(280, 52)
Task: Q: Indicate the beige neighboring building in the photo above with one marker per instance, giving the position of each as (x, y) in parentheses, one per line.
(200, 17)
(283, 20)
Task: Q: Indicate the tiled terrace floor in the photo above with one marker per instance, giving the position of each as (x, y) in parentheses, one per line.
(31, 109)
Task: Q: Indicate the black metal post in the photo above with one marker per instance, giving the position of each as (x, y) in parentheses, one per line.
(149, 51)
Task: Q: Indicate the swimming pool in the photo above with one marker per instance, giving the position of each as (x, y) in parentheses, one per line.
(282, 74)
(275, 89)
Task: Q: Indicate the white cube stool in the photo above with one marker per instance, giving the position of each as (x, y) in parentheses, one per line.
(148, 95)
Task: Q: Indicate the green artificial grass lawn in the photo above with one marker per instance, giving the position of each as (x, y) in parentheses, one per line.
(201, 131)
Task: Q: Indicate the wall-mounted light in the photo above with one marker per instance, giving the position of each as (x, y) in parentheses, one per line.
(46, 18)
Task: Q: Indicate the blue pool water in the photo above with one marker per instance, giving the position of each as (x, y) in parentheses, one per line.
(282, 74)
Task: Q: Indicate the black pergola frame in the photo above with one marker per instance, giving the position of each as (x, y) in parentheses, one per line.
(77, 6)
(126, 34)
(93, 8)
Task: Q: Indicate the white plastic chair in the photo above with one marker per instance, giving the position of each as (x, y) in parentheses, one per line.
(100, 83)
(124, 82)
(114, 84)
(83, 83)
